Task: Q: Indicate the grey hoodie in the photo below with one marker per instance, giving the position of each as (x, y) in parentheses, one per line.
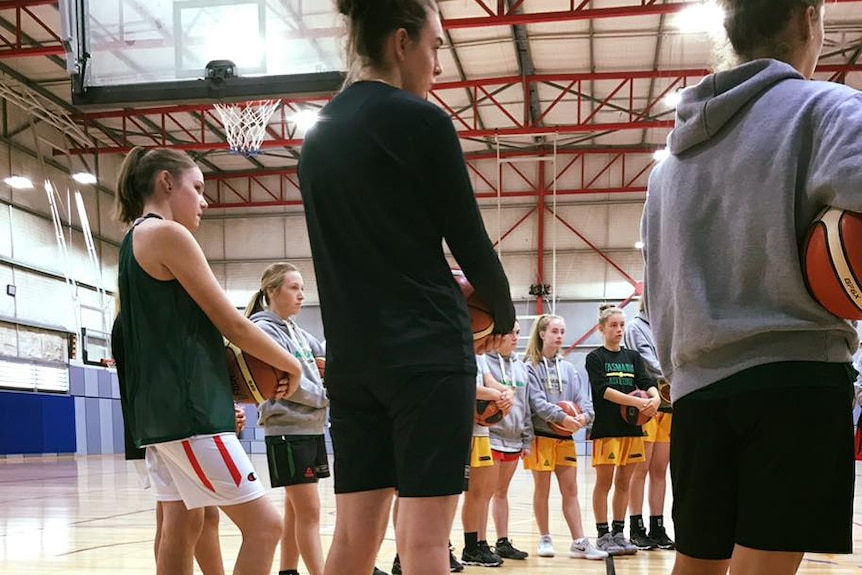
(544, 397)
(639, 337)
(515, 431)
(756, 153)
(305, 412)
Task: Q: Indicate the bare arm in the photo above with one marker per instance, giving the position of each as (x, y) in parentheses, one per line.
(183, 258)
(487, 394)
(648, 406)
(507, 399)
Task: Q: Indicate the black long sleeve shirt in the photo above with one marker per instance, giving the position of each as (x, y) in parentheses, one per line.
(384, 182)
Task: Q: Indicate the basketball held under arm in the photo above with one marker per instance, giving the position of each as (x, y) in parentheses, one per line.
(621, 398)
(453, 206)
(181, 255)
(487, 394)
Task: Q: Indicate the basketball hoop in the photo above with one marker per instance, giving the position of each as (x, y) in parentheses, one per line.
(245, 124)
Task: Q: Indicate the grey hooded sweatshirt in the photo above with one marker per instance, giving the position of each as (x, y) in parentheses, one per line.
(756, 153)
(639, 337)
(552, 381)
(515, 431)
(305, 412)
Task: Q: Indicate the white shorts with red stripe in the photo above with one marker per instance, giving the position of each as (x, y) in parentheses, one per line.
(202, 471)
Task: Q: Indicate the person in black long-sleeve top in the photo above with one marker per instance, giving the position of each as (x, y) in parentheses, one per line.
(383, 182)
(615, 372)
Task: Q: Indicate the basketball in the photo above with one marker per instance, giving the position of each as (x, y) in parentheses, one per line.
(832, 262)
(664, 390)
(570, 408)
(481, 320)
(252, 380)
(487, 413)
(632, 415)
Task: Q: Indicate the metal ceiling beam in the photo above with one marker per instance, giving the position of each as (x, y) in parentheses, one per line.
(532, 107)
(583, 109)
(562, 153)
(460, 69)
(167, 141)
(22, 44)
(577, 11)
(614, 170)
(503, 17)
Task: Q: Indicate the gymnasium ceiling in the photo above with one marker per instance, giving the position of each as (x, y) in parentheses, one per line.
(584, 83)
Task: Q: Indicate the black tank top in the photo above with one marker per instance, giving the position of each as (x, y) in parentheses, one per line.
(175, 365)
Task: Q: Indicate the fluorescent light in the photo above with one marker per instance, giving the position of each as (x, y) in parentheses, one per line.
(660, 155)
(639, 245)
(19, 182)
(706, 16)
(305, 119)
(672, 99)
(84, 178)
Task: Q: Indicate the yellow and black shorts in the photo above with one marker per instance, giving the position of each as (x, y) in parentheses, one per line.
(618, 451)
(548, 453)
(657, 429)
(480, 452)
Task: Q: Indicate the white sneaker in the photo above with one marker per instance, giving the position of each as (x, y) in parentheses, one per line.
(546, 546)
(583, 549)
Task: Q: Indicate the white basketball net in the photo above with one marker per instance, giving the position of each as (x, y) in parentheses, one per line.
(245, 124)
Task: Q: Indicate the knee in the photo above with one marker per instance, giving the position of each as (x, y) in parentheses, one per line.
(622, 482)
(183, 528)
(569, 491)
(268, 530)
(274, 533)
(657, 475)
(603, 485)
(542, 488)
(211, 519)
(306, 513)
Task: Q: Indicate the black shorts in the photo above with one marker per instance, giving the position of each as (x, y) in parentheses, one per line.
(412, 433)
(770, 469)
(296, 459)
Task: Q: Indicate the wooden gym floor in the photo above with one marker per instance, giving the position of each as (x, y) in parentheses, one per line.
(88, 515)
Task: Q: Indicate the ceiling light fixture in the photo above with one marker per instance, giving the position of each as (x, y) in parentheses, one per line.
(85, 178)
(700, 17)
(19, 182)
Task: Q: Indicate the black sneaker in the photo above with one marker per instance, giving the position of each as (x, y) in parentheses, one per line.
(379, 572)
(659, 535)
(454, 565)
(396, 565)
(642, 541)
(481, 556)
(504, 549)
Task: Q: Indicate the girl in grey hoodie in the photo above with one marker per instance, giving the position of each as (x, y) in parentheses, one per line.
(511, 437)
(294, 428)
(756, 153)
(553, 379)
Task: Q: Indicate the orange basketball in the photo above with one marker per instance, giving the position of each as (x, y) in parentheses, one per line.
(631, 414)
(664, 390)
(832, 262)
(251, 380)
(570, 408)
(481, 320)
(487, 413)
